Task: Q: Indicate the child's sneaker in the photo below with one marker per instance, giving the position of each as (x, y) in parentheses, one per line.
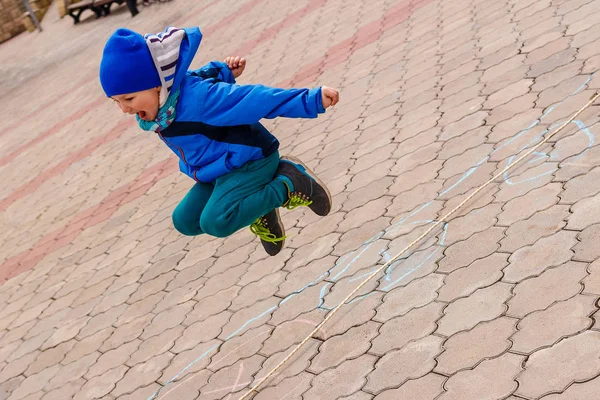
(270, 231)
(306, 190)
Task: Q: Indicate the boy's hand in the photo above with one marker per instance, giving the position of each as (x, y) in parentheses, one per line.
(330, 96)
(236, 65)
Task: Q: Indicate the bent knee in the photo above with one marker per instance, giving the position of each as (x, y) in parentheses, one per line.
(217, 226)
(186, 226)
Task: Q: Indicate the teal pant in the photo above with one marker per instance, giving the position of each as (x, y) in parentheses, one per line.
(233, 201)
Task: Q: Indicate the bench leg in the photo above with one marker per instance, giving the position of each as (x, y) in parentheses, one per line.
(102, 10)
(75, 16)
(97, 11)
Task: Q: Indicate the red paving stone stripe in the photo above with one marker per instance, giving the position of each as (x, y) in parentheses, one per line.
(178, 22)
(245, 9)
(363, 37)
(61, 167)
(86, 219)
(129, 192)
(52, 130)
(82, 82)
(270, 32)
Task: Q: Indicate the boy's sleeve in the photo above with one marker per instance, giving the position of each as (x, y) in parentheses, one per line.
(224, 104)
(216, 70)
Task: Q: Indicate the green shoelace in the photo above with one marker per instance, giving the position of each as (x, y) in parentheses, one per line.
(260, 230)
(296, 201)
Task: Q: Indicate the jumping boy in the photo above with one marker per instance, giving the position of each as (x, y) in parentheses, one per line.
(212, 125)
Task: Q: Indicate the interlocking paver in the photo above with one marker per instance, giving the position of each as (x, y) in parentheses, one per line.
(49, 357)
(17, 367)
(407, 180)
(426, 388)
(507, 79)
(533, 178)
(259, 290)
(481, 273)
(483, 305)
(15, 306)
(412, 361)
(544, 328)
(418, 293)
(560, 283)
(179, 295)
(83, 309)
(128, 332)
(577, 391)
(369, 192)
(12, 385)
(503, 133)
(201, 331)
(138, 376)
(459, 144)
(465, 182)
(34, 382)
(399, 331)
(212, 305)
(154, 346)
(477, 220)
(115, 299)
(356, 237)
(541, 224)
(591, 281)
(343, 380)
(547, 252)
(72, 371)
(306, 275)
(112, 359)
(467, 349)
(100, 386)
(350, 345)
(490, 379)
(101, 321)
(362, 311)
(291, 388)
(240, 347)
(195, 360)
(88, 345)
(571, 355)
(505, 95)
(467, 123)
(298, 363)
(221, 384)
(18, 333)
(250, 317)
(332, 295)
(152, 286)
(411, 199)
(464, 253)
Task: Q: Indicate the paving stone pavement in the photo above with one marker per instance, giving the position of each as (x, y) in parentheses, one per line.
(102, 299)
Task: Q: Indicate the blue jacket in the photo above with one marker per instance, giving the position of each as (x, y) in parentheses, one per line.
(216, 127)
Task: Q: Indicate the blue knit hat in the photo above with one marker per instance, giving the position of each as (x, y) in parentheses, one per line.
(127, 64)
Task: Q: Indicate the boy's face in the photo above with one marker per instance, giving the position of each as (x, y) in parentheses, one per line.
(144, 103)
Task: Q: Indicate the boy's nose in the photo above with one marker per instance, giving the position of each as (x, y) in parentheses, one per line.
(126, 110)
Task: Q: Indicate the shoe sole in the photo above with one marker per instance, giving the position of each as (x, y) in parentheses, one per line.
(312, 175)
(280, 222)
(282, 228)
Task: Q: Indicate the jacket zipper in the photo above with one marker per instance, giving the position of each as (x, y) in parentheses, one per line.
(180, 151)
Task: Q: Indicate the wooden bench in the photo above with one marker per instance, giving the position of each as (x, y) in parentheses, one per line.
(99, 7)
